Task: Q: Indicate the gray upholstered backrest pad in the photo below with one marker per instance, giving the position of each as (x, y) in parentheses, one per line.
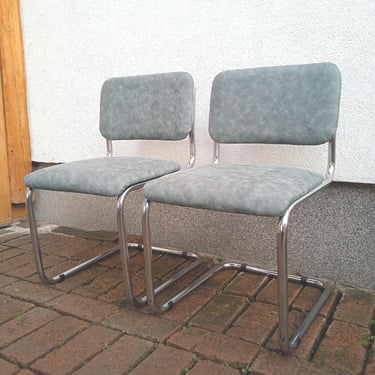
(155, 106)
(288, 104)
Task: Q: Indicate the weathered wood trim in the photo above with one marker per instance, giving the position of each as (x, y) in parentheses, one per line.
(14, 98)
(5, 202)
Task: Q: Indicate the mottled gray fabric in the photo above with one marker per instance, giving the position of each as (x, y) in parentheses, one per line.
(296, 104)
(103, 176)
(155, 106)
(248, 189)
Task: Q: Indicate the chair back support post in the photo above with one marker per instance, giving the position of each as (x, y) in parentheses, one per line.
(192, 148)
(216, 152)
(331, 163)
(109, 148)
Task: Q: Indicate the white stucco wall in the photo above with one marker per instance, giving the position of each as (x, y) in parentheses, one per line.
(72, 46)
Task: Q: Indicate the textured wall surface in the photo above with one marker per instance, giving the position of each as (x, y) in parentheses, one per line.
(72, 46)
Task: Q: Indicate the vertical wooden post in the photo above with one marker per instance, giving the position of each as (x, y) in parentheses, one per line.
(5, 201)
(14, 112)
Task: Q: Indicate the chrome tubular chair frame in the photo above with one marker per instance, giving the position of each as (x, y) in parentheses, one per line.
(123, 245)
(246, 106)
(281, 274)
(186, 103)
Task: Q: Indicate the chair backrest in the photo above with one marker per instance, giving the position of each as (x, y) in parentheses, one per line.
(153, 107)
(296, 104)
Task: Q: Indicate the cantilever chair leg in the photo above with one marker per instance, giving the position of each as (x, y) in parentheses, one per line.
(281, 275)
(156, 101)
(282, 282)
(37, 251)
(122, 247)
(124, 250)
(124, 243)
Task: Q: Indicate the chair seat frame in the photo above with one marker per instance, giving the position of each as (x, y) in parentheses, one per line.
(123, 246)
(286, 343)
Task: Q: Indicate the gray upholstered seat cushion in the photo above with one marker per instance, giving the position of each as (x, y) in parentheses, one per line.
(103, 176)
(247, 189)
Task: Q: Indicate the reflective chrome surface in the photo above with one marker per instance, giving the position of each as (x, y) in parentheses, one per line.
(192, 149)
(216, 152)
(38, 254)
(282, 275)
(109, 148)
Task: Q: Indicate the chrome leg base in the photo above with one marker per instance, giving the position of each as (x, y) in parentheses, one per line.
(294, 341)
(62, 276)
(38, 254)
(143, 299)
(286, 343)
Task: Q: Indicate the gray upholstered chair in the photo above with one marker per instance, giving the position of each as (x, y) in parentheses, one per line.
(296, 105)
(148, 107)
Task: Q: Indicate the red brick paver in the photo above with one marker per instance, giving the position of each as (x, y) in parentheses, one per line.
(164, 360)
(125, 353)
(342, 348)
(219, 313)
(24, 324)
(43, 340)
(227, 326)
(272, 363)
(212, 368)
(37, 293)
(82, 307)
(137, 323)
(256, 324)
(11, 308)
(76, 351)
(357, 307)
(247, 284)
(8, 368)
(215, 346)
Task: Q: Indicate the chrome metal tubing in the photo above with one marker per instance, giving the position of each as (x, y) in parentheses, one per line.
(176, 276)
(282, 282)
(165, 250)
(37, 250)
(182, 293)
(123, 246)
(331, 159)
(148, 255)
(151, 291)
(296, 338)
(281, 274)
(124, 251)
(282, 266)
(286, 344)
(109, 147)
(170, 281)
(192, 148)
(216, 152)
(260, 271)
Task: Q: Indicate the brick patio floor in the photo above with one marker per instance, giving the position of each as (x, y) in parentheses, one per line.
(227, 326)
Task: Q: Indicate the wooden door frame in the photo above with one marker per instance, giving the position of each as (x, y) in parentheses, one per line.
(15, 152)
